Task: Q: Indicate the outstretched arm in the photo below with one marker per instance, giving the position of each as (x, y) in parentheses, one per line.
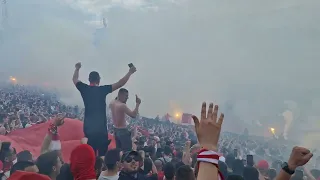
(132, 114)
(75, 77)
(123, 80)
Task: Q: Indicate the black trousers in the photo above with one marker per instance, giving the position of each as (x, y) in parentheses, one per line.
(123, 139)
(99, 142)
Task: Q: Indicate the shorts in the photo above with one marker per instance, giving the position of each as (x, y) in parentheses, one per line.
(99, 142)
(123, 139)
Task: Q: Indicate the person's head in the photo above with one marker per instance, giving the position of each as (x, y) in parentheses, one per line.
(49, 164)
(23, 175)
(237, 167)
(98, 166)
(229, 160)
(167, 151)
(185, 172)
(235, 177)
(24, 156)
(112, 160)
(147, 166)
(130, 162)
(158, 165)
(8, 156)
(250, 173)
(24, 166)
(65, 173)
(223, 169)
(272, 173)
(169, 171)
(94, 78)
(263, 167)
(123, 95)
(178, 164)
(82, 162)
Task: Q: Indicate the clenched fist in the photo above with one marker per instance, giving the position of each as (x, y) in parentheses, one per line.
(299, 157)
(78, 65)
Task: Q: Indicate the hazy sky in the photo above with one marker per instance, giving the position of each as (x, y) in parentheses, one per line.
(252, 54)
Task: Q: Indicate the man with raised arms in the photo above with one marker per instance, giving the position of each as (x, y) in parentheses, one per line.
(94, 99)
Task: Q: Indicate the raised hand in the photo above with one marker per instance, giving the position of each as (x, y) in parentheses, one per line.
(59, 119)
(132, 70)
(78, 65)
(299, 157)
(209, 127)
(138, 100)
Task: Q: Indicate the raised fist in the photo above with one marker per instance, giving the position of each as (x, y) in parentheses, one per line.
(78, 65)
(299, 157)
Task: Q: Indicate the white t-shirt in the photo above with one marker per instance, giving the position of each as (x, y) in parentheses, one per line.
(102, 177)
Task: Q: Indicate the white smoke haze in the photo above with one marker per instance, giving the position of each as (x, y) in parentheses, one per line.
(288, 118)
(250, 54)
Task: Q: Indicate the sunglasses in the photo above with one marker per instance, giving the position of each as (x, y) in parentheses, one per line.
(130, 158)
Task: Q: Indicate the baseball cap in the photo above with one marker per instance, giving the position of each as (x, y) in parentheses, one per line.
(130, 153)
(263, 164)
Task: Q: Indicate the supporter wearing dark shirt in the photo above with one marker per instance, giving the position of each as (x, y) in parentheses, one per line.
(94, 99)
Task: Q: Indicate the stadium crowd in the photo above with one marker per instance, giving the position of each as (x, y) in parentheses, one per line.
(23, 106)
(160, 150)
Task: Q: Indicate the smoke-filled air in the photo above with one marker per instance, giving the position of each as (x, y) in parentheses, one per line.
(259, 60)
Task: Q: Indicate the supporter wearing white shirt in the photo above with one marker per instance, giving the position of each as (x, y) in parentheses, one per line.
(112, 161)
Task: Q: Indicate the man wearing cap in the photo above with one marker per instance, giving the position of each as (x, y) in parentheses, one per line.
(94, 99)
(130, 171)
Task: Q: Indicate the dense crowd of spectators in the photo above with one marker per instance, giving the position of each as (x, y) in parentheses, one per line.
(161, 150)
(22, 106)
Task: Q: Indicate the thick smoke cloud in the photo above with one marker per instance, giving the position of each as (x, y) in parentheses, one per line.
(250, 54)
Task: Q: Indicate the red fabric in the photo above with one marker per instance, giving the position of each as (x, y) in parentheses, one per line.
(160, 175)
(22, 175)
(143, 131)
(31, 138)
(1, 165)
(213, 157)
(82, 162)
(7, 166)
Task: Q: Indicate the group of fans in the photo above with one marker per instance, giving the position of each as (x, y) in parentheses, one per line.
(23, 106)
(158, 150)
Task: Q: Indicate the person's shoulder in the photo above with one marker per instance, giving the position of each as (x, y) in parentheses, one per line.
(81, 83)
(119, 104)
(112, 103)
